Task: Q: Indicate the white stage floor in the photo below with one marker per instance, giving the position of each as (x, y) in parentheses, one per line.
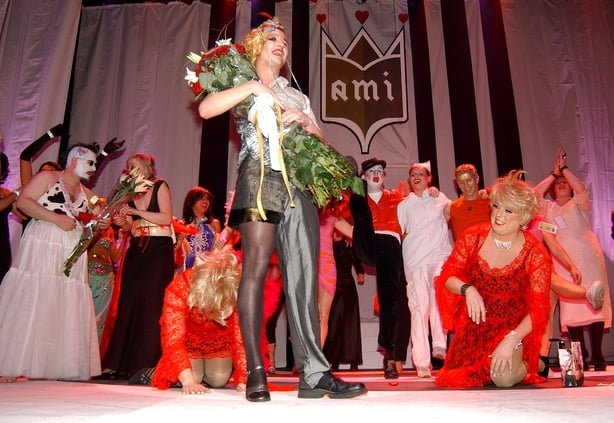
(412, 399)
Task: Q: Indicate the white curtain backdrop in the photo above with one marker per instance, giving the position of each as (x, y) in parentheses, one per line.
(562, 57)
(37, 45)
(129, 70)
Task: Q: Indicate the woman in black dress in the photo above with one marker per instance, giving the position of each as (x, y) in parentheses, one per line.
(147, 270)
(343, 343)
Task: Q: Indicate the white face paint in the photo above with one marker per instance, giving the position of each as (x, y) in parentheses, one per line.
(85, 165)
(375, 177)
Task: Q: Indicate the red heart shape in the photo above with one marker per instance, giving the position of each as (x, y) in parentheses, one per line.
(321, 17)
(362, 16)
(403, 17)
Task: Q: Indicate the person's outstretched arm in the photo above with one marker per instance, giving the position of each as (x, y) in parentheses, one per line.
(25, 158)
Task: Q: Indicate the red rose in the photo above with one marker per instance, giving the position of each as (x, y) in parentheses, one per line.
(196, 88)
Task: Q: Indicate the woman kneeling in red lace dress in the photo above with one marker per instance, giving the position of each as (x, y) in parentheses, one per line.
(493, 294)
(201, 339)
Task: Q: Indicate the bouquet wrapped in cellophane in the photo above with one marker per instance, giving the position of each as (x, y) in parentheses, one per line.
(310, 163)
(130, 184)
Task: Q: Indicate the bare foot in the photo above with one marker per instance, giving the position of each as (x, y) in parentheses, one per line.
(7, 379)
(195, 389)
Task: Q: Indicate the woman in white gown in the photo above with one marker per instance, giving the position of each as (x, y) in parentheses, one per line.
(569, 212)
(47, 321)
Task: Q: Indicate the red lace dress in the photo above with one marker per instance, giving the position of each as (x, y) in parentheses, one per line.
(187, 334)
(509, 293)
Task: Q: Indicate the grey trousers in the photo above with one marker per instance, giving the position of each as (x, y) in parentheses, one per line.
(298, 245)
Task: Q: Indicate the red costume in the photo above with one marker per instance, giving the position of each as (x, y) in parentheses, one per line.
(384, 212)
(509, 294)
(188, 334)
(466, 213)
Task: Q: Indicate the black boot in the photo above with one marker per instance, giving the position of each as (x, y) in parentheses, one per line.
(257, 389)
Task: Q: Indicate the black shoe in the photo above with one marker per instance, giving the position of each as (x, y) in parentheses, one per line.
(390, 372)
(601, 366)
(334, 387)
(142, 377)
(107, 375)
(546, 361)
(257, 389)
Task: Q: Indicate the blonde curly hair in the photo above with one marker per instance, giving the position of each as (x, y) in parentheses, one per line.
(513, 190)
(253, 42)
(215, 280)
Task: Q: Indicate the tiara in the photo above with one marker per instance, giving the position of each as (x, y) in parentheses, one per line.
(271, 25)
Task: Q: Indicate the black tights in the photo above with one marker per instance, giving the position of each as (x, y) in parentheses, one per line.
(257, 243)
(595, 334)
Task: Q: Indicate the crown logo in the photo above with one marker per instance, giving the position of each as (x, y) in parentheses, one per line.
(363, 89)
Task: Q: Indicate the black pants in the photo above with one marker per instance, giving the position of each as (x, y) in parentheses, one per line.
(595, 335)
(389, 280)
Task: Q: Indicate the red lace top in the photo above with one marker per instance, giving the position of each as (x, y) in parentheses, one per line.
(187, 334)
(509, 293)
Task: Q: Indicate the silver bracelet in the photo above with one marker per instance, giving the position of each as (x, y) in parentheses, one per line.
(512, 335)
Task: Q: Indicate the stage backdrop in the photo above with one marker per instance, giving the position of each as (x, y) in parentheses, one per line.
(500, 84)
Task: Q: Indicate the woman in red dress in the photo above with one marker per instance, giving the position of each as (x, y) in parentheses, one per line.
(493, 295)
(201, 337)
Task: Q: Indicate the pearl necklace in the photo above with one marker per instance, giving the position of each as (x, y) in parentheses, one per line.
(503, 244)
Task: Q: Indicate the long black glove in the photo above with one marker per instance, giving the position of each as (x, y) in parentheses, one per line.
(31, 150)
(110, 147)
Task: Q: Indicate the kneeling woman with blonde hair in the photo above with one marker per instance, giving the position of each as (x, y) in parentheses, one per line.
(201, 338)
(493, 294)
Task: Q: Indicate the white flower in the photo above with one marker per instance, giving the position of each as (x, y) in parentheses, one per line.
(190, 76)
(142, 185)
(194, 58)
(225, 42)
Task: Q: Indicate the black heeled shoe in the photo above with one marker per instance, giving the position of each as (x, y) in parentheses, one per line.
(257, 389)
(107, 375)
(546, 370)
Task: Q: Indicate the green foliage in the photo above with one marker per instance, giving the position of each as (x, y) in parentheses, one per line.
(311, 163)
(315, 166)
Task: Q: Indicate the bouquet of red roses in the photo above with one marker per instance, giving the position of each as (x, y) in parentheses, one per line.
(311, 164)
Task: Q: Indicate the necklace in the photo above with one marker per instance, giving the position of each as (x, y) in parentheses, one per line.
(503, 244)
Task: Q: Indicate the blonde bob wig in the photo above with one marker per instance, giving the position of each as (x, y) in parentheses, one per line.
(516, 194)
(215, 280)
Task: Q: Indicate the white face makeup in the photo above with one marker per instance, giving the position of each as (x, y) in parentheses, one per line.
(85, 165)
(375, 177)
